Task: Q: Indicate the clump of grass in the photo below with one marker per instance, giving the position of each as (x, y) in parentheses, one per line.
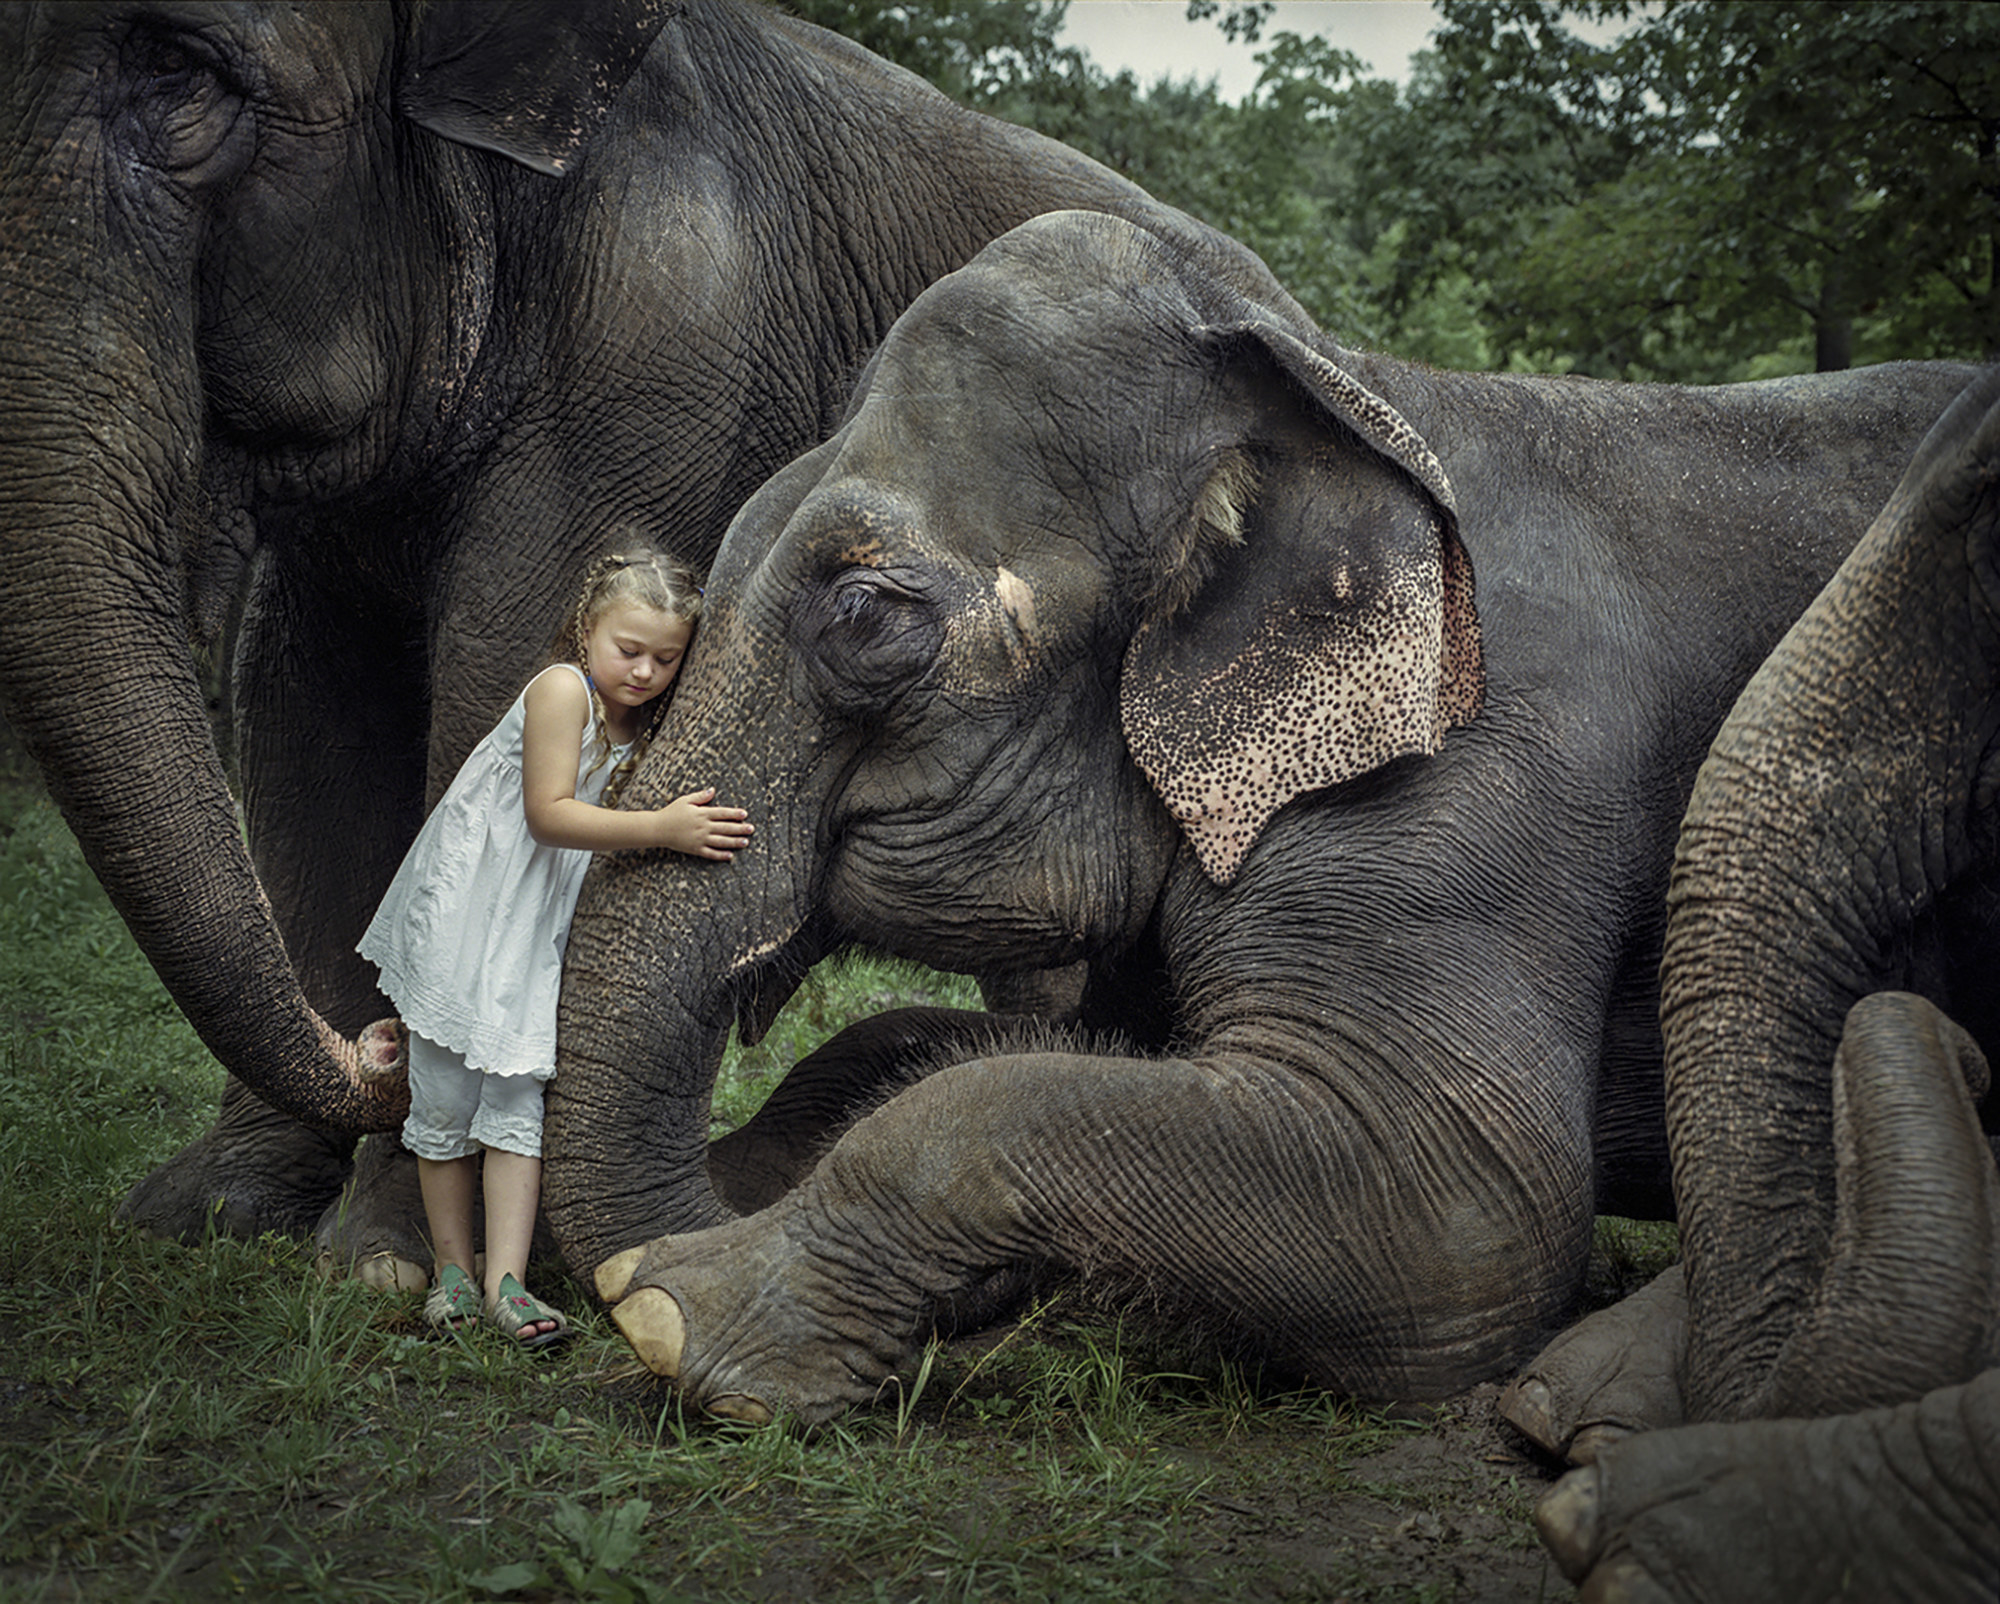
(216, 1421)
(1625, 1255)
(832, 995)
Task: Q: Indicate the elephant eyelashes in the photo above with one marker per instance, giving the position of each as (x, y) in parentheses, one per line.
(877, 637)
(180, 106)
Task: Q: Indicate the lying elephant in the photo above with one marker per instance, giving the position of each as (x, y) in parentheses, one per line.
(1835, 897)
(292, 287)
(1113, 627)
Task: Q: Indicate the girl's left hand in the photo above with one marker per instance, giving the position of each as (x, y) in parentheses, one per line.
(694, 825)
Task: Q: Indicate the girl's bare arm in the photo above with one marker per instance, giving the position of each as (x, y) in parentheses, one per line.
(558, 709)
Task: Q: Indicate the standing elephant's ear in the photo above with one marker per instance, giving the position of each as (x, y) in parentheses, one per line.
(1313, 617)
(529, 78)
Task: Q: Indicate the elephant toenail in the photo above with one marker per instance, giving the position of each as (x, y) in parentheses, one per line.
(652, 1322)
(739, 1406)
(1567, 1520)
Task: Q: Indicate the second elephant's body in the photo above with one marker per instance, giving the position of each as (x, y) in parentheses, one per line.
(1111, 628)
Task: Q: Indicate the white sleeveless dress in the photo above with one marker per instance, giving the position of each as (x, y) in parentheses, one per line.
(471, 932)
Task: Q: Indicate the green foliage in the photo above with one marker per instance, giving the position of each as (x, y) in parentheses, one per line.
(1735, 177)
(971, 49)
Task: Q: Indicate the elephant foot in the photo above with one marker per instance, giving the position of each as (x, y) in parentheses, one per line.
(1889, 1504)
(375, 1231)
(1607, 1377)
(253, 1171)
(746, 1325)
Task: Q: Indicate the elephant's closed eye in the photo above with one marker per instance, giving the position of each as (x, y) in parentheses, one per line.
(179, 104)
(876, 637)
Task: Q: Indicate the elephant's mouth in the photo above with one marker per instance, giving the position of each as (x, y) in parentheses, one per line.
(760, 989)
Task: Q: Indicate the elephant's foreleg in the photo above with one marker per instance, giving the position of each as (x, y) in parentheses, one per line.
(254, 1170)
(1610, 1375)
(1356, 1243)
(1897, 1503)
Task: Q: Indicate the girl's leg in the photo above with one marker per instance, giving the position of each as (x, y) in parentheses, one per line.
(444, 1096)
(513, 1191)
(448, 1186)
(509, 1123)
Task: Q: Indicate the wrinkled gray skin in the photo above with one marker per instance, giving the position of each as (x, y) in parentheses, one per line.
(1835, 907)
(1107, 562)
(295, 288)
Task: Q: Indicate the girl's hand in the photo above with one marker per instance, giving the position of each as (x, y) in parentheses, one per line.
(692, 824)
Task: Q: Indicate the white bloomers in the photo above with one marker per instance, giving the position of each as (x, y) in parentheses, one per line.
(456, 1110)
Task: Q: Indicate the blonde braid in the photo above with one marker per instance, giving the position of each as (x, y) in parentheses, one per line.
(589, 603)
(653, 579)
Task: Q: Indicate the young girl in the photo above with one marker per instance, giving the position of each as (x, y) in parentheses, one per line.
(470, 935)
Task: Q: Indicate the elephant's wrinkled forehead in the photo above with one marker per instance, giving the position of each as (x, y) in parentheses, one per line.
(1021, 316)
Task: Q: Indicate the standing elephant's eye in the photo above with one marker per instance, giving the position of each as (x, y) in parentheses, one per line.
(179, 108)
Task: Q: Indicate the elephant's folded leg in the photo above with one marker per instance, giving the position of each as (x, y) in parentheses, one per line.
(1235, 1199)
(858, 1070)
(1608, 1376)
(254, 1170)
(1892, 1504)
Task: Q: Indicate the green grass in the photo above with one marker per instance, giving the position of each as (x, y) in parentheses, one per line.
(216, 1422)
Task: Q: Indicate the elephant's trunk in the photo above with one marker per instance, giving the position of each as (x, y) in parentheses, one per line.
(662, 956)
(100, 419)
(1912, 1284)
(1837, 800)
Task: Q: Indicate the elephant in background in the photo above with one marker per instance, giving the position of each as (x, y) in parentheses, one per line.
(295, 300)
(1830, 1010)
(1127, 622)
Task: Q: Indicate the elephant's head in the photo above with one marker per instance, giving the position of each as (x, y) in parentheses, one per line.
(1839, 1205)
(1105, 562)
(219, 226)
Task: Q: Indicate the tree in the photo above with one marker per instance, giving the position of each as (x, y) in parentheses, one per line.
(1750, 177)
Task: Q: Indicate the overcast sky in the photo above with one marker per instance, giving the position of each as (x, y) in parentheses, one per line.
(1155, 40)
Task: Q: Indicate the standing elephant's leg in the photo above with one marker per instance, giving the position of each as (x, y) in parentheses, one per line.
(1213, 1194)
(330, 710)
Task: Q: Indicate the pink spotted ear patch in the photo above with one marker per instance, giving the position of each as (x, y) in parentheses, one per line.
(1316, 697)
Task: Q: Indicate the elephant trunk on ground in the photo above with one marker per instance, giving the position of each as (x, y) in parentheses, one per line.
(1912, 1283)
(95, 455)
(1837, 800)
(626, 1126)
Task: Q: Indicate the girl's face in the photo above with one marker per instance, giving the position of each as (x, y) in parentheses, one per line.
(634, 652)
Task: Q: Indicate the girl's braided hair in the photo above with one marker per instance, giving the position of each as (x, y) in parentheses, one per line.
(650, 578)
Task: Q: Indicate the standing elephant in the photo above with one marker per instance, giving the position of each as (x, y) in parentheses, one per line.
(1126, 622)
(293, 289)
(1830, 1008)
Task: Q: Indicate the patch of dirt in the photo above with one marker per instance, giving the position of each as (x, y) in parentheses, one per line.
(1444, 1512)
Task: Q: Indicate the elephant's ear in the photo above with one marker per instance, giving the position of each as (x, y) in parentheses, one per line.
(1313, 620)
(527, 78)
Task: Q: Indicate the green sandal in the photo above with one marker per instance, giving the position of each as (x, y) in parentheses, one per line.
(518, 1309)
(454, 1301)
